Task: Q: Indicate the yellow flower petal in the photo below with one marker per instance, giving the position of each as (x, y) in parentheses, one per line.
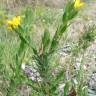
(9, 22)
(78, 4)
(15, 22)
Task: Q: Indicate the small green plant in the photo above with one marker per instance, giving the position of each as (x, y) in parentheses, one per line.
(48, 83)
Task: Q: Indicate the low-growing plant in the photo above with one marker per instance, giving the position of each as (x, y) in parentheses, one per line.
(46, 82)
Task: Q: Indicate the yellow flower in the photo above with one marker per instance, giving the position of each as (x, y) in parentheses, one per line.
(78, 4)
(15, 22)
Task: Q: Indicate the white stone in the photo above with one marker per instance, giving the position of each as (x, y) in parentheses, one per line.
(23, 66)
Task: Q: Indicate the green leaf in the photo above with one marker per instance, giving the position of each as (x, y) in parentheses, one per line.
(60, 75)
(58, 36)
(69, 12)
(84, 91)
(46, 39)
(57, 80)
(21, 48)
(66, 88)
